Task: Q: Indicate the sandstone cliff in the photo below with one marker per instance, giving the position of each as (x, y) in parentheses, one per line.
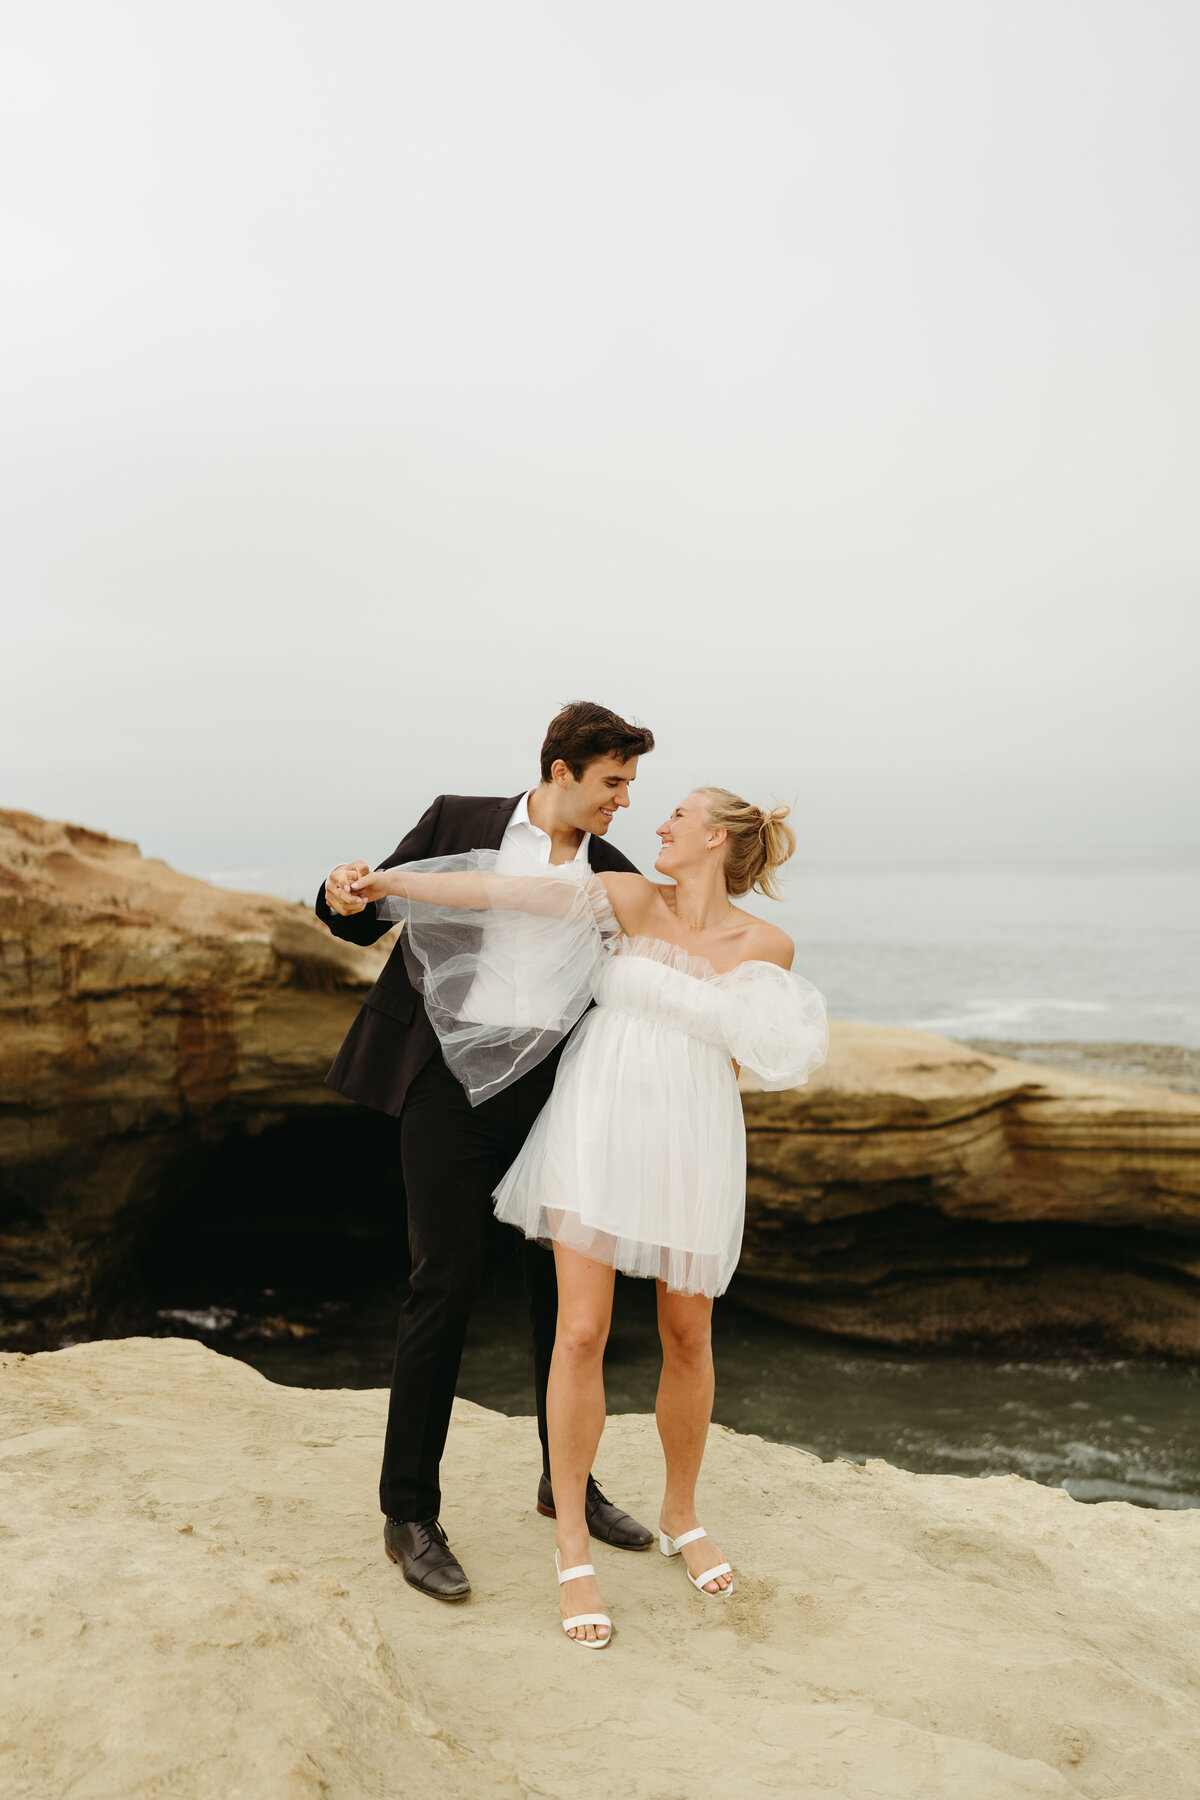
(196, 1605)
(143, 1015)
(919, 1192)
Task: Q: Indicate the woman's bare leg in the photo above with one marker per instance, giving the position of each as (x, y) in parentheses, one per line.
(575, 1416)
(683, 1411)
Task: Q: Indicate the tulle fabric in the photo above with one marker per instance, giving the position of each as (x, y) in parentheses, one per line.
(638, 1159)
(506, 963)
(775, 1023)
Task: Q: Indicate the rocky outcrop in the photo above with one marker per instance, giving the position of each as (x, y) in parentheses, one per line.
(1161, 1065)
(918, 1192)
(196, 1605)
(144, 1015)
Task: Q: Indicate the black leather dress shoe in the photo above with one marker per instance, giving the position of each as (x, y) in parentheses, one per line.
(605, 1521)
(429, 1564)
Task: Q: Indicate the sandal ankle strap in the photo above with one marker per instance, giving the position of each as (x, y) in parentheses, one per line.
(576, 1573)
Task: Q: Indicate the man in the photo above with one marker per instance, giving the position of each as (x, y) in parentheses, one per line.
(452, 1154)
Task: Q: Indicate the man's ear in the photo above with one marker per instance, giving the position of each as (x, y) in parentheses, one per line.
(560, 775)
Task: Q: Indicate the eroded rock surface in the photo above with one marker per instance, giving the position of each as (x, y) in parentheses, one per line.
(920, 1192)
(143, 1016)
(196, 1604)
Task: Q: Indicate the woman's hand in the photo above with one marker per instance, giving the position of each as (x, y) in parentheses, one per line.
(375, 884)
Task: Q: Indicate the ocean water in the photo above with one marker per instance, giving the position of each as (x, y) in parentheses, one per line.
(1106, 954)
(1101, 1428)
(1103, 953)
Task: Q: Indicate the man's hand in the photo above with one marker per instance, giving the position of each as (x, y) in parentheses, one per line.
(338, 897)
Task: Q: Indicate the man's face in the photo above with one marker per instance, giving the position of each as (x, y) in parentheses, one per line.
(591, 803)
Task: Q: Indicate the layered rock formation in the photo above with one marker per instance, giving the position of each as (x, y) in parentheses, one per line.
(144, 1015)
(918, 1192)
(196, 1605)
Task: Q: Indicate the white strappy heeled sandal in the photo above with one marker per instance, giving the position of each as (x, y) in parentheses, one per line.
(672, 1546)
(569, 1625)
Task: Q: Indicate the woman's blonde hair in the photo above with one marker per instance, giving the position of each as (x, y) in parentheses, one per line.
(757, 842)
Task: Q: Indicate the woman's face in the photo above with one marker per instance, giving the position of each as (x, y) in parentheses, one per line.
(686, 836)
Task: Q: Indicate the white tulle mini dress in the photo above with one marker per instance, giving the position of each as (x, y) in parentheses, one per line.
(638, 1158)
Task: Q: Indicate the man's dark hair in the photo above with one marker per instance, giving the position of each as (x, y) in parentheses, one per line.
(582, 733)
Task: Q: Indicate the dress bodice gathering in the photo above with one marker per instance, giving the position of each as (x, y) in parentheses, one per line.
(761, 1015)
(650, 979)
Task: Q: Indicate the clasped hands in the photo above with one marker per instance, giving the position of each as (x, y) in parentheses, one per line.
(351, 885)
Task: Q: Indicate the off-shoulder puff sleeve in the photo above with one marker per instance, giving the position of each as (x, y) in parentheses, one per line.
(775, 1023)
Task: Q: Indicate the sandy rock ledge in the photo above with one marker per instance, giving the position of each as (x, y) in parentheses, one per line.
(196, 1605)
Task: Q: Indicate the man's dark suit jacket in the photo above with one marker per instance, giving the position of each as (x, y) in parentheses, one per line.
(391, 1040)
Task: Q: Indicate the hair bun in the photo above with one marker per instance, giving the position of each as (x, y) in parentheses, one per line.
(759, 842)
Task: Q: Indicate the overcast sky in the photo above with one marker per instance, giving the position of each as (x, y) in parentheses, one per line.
(817, 383)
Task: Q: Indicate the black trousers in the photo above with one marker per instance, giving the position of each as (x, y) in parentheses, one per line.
(453, 1155)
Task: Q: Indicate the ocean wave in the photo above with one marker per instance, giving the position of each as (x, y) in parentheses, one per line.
(984, 1018)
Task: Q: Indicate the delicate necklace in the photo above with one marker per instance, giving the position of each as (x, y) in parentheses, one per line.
(699, 930)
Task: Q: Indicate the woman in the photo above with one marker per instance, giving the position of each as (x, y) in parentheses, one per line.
(637, 1161)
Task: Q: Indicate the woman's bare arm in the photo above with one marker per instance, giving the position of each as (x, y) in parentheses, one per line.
(465, 888)
(631, 896)
(475, 890)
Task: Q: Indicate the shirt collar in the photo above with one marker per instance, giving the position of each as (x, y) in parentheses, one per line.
(520, 816)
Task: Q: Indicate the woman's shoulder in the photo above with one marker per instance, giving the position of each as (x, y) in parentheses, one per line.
(631, 897)
(625, 881)
(768, 943)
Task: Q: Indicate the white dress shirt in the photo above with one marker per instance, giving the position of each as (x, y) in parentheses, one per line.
(525, 848)
(498, 995)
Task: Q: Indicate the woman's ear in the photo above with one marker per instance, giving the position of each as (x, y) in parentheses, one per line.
(716, 839)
